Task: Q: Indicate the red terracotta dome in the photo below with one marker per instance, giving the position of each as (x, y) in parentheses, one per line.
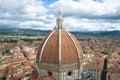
(65, 50)
(59, 46)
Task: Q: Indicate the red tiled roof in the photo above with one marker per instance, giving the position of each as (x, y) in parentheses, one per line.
(45, 78)
(34, 74)
(69, 45)
(31, 57)
(3, 71)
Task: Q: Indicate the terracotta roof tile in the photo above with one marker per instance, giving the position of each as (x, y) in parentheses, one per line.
(45, 78)
(69, 51)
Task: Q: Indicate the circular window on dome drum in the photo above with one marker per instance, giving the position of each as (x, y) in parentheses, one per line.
(49, 73)
(69, 73)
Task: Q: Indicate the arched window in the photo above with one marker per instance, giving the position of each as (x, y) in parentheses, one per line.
(49, 73)
(69, 73)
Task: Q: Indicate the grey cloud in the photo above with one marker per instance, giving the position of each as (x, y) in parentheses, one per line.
(32, 14)
(90, 9)
(115, 16)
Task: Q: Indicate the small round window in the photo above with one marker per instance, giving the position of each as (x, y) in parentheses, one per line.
(69, 73)
(49, 73)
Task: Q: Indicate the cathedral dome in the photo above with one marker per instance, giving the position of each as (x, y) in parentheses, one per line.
(65, 50)
(59, 46)
(59, 55)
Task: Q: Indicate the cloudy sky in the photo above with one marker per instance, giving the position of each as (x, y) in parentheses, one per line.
(79, 15)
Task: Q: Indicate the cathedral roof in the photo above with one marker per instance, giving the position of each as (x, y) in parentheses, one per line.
(45, 78)
(59, 46)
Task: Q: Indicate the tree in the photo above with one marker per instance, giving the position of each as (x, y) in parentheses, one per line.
(105, 52)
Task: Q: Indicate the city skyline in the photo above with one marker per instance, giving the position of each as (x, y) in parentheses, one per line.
(79, 15)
